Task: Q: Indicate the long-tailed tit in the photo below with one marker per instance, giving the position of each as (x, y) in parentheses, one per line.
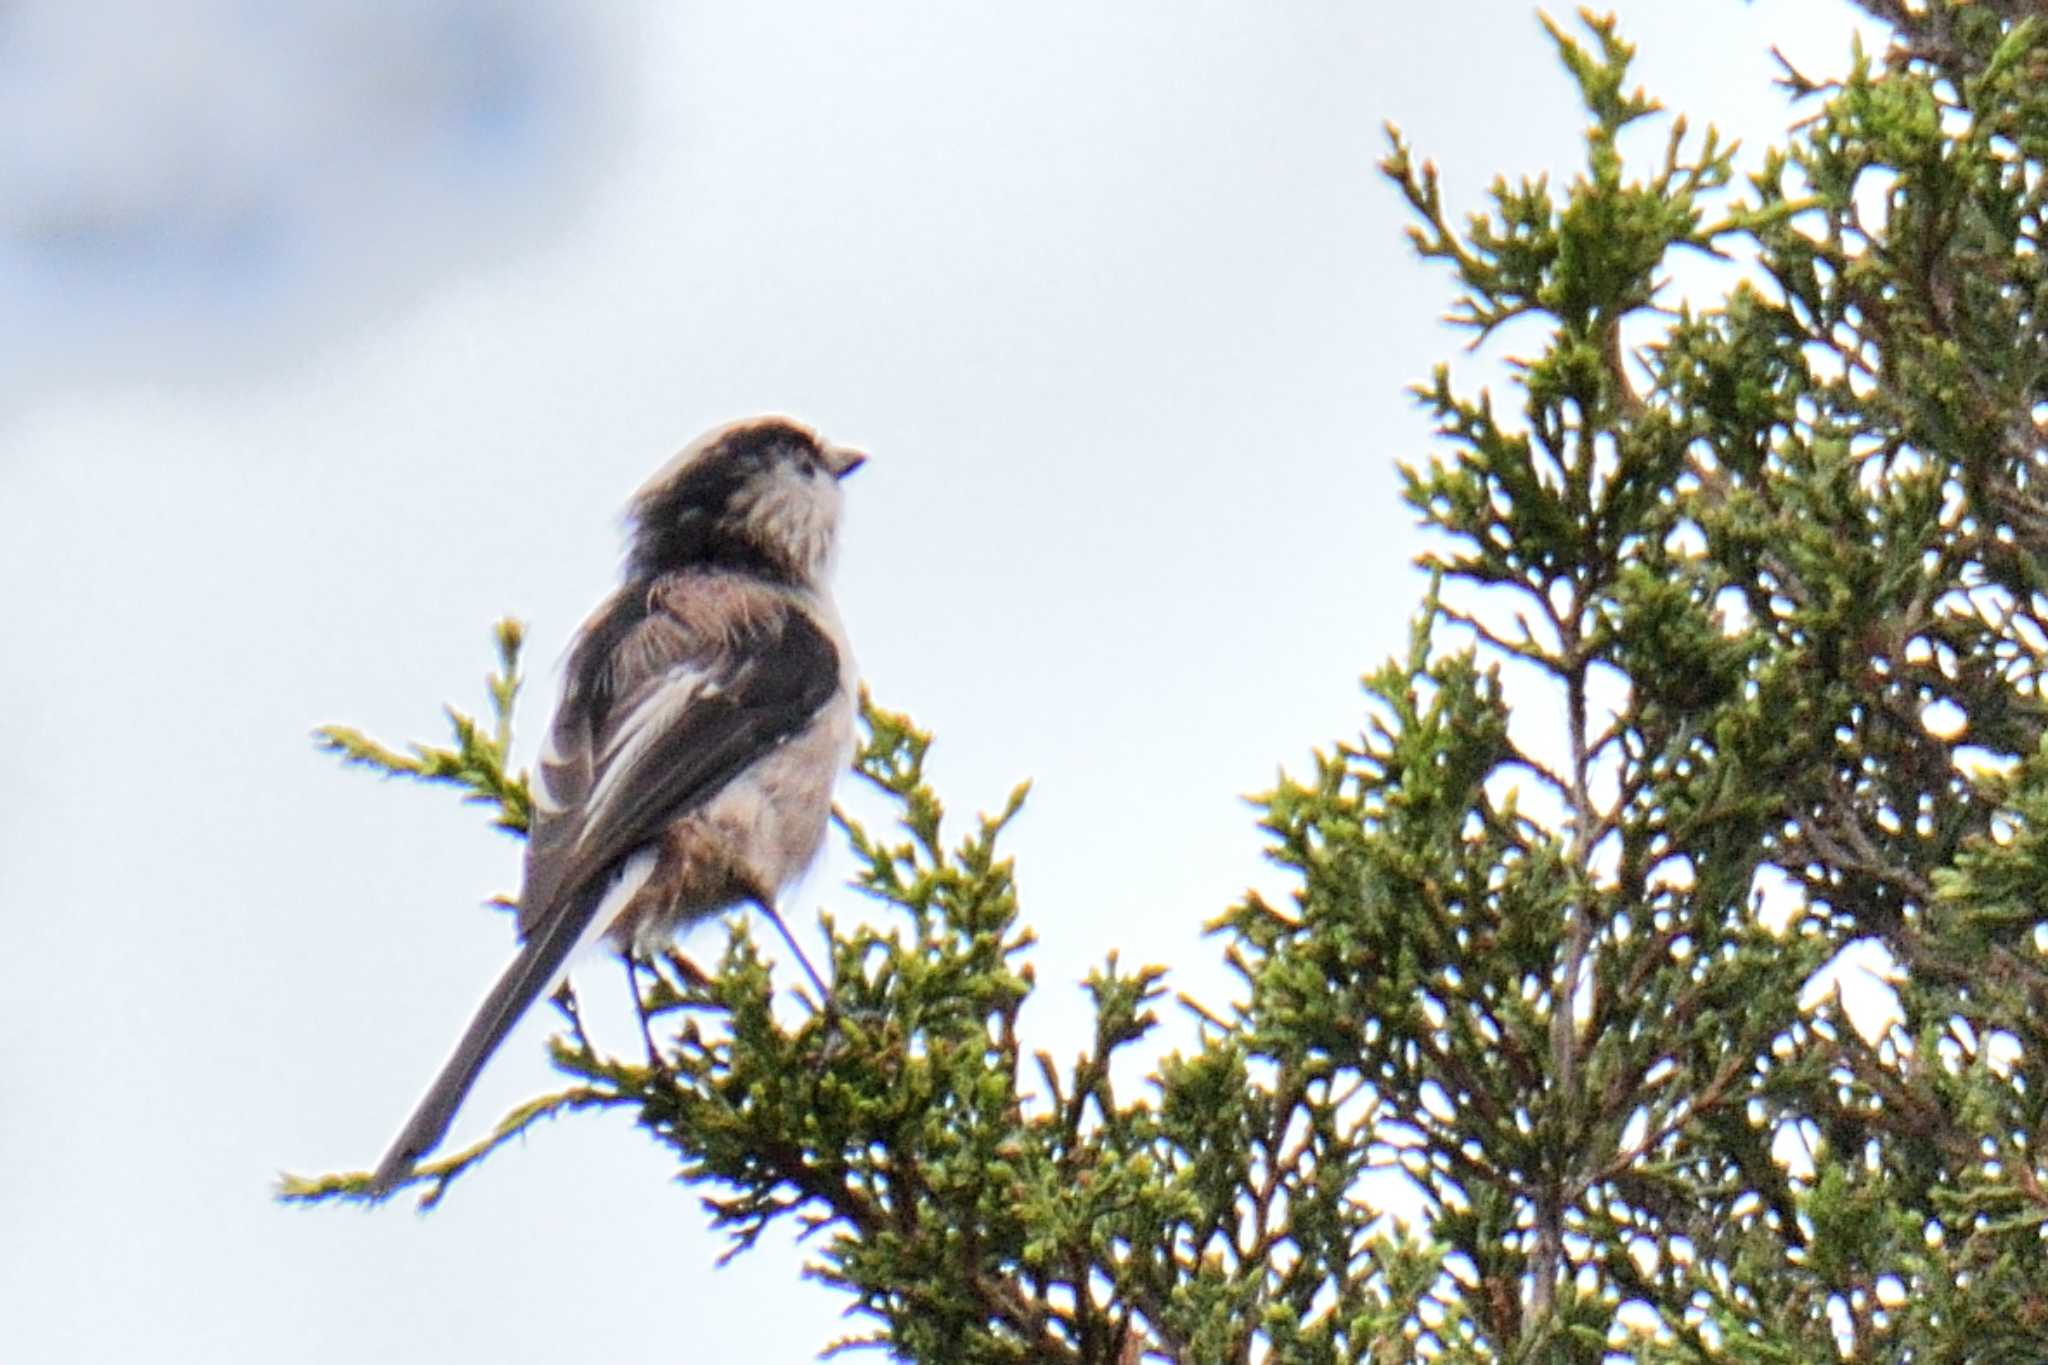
(706, 712)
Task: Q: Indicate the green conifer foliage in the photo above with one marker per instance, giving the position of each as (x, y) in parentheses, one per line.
(1730, 661)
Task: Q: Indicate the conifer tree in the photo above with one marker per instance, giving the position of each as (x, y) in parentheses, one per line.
(1730, 661)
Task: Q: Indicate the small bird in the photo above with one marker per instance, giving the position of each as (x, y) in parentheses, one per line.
(706, 712)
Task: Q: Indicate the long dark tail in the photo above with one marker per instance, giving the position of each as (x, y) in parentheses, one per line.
(528, 975)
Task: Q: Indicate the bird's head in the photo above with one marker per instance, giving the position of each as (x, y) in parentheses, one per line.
(759, 495)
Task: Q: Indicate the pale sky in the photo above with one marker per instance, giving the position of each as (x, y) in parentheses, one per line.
(335, 339)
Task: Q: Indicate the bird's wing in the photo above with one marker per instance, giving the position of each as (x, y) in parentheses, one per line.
(691, 712)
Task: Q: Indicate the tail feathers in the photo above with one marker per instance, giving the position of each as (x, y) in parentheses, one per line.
(529, 974)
